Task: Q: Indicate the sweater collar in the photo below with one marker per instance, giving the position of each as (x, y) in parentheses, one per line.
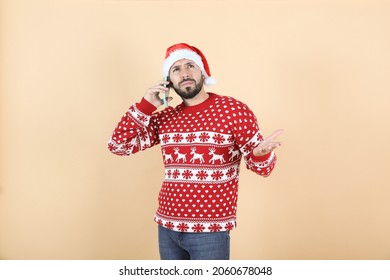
(199, 107)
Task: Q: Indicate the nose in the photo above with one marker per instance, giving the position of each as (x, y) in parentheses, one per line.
(184, 73)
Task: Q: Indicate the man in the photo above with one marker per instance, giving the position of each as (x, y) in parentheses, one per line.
(202, 142)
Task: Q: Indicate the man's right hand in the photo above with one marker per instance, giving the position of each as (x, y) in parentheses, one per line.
(152, 94)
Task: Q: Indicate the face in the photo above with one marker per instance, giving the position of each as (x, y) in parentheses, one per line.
(186, 78)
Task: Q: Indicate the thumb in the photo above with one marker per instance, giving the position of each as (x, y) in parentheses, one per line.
(276, 134)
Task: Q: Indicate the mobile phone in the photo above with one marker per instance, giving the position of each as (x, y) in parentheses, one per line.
(164, 95)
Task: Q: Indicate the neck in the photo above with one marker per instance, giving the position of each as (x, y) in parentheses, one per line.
(199, 98)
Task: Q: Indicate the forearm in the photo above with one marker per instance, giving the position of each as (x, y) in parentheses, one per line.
(134, 132)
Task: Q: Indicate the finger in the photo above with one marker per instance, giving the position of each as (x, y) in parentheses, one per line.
(275, 134)
(271, 146)
(160, 88)
(157, 90)
(274, 144)
(162, 83)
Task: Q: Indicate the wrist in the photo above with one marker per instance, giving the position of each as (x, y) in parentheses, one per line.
(146, 107)
(261, 155)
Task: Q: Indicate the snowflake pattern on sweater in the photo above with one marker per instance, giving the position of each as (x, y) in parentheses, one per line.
(202, 147)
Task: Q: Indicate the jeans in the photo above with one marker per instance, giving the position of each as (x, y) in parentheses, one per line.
(175, 245)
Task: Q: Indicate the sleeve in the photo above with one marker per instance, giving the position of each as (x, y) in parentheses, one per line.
(247, 136)
(136, 131)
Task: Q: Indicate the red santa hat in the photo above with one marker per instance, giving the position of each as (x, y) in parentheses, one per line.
(185, 51)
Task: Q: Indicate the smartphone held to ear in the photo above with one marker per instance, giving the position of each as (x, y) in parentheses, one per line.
(165, 95)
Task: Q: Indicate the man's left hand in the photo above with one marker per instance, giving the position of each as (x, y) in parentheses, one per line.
(268, 144)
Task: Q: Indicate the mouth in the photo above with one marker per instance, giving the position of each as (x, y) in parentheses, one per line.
(187, 82)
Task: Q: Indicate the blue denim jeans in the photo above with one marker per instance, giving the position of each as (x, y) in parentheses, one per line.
(175, 245)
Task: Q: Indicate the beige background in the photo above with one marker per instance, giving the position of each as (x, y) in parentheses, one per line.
(318, 69)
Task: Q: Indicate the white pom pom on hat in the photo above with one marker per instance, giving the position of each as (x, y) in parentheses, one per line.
(185, 51)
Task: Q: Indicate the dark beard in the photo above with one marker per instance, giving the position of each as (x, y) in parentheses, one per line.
(189, 93)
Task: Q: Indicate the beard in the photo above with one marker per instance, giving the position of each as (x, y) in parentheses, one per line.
(190, 91)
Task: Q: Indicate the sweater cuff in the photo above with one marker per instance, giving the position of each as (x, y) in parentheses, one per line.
(261, 158)
(146, 107)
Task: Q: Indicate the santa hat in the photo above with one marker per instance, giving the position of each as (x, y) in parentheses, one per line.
(185, 51)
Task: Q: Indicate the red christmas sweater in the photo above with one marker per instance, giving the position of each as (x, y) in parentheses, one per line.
(202, 147)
